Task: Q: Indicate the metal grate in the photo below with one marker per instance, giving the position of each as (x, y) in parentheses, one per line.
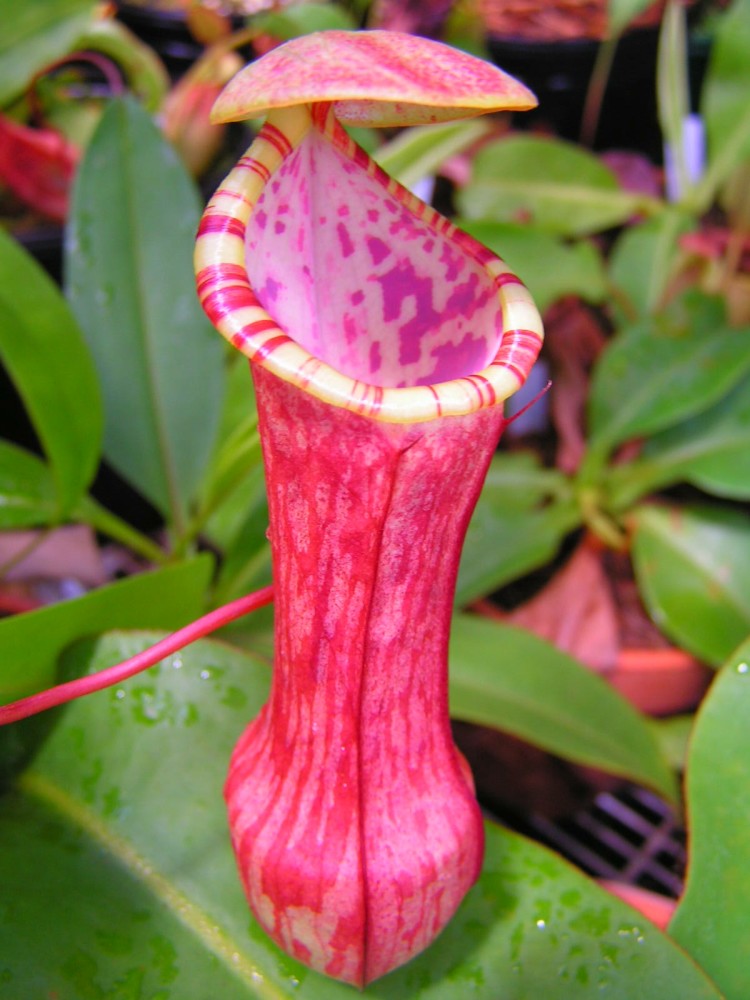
(631, 836)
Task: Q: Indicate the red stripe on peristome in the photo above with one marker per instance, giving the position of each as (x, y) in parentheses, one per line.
(518, 372)
(488, 387)
(216, 274)
(215, 223)
(507, 278)
(271, 344)
(276, 138)
(438, 404)
(225, 300)
(241, 337)
(518, 352)
(250, 163)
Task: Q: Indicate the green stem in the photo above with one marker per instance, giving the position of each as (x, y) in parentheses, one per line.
(597, 87)
(231, 471)
(109, 524)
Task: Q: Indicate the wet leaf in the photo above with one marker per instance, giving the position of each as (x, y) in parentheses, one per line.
(115, 854)
(711, 918)
(31, 643)
(693, 570)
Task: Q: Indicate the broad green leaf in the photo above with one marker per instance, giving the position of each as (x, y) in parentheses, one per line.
(115, 854)
(550, 267)
(711, 918)
(711, 451)
(642, 262)
(418, 152)
(134, 216)
(725, 101)
(30, 644)
(693, 570)
(35, 35)
(27, 490)
(512, 680)
(663, 370)
(522, 516)
(42, 348)
(621, 12)
(552, 184)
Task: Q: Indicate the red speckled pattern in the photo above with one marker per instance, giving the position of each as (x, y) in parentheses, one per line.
(355, 831)
(369, 287)
(375, 78)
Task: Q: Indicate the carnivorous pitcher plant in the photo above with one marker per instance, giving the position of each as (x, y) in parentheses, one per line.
(382, 343)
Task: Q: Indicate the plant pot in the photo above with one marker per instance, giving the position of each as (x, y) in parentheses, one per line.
(660, 681)
(559, 74)
(165, 29)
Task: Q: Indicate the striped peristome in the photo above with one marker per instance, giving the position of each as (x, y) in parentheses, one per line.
(236, 309)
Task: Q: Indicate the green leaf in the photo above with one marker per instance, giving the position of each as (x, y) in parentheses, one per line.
(47, 358)
(509, 679)
(693, 570)
(711, 918)
(418, 152)
(550, 267)
(35, 35)
(621, 12)
(119, 881)
(134, 216)
(641, 263)
(523, 514)
(663, 370)
(725, 102)
(673, 89)
(27, 491)
(552, 184)
(30, 644)
(711, 451)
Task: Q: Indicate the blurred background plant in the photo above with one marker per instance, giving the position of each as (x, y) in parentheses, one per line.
(614, 515)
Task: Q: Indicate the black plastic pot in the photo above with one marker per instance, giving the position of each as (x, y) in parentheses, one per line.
(559, 73)
(165, 31)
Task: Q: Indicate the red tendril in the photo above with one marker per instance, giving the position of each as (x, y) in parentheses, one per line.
(62, 693)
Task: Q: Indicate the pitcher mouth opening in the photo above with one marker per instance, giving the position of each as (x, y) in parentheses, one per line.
(319, 267)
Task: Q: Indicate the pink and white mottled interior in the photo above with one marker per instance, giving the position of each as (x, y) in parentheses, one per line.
(354, 277)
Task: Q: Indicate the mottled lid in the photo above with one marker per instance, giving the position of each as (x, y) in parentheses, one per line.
(377, 78)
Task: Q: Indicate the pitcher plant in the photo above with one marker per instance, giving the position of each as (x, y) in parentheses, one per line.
(382, 344)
